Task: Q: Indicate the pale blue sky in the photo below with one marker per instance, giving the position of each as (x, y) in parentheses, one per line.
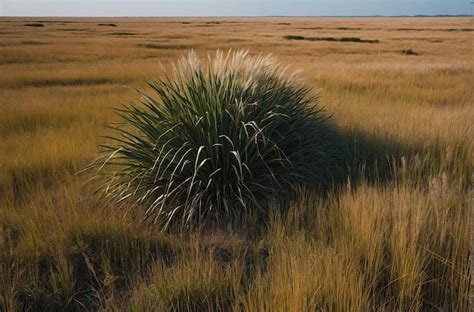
(232, 7)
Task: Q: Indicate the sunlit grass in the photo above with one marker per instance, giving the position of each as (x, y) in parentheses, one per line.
(394, 236)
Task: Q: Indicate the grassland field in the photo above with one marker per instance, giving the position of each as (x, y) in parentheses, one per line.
(394, 237)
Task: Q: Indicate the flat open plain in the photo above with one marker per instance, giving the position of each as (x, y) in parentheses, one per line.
(396, 236)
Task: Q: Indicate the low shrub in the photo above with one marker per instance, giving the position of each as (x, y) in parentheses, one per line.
(122, 33)
(218, 141)
(34, 25)
(293, 37)
(409, 52)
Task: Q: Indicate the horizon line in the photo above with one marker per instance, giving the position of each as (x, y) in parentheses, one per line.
(229, 16)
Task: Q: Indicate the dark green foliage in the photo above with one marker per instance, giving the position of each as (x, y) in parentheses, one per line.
(35, 25)
(43, 83)
(123, 33)
(409, 52)
(348, 28)
(31, 42)
(217, 142)
(164, 46)
(343, 39)
(107, 24)
(293, 37)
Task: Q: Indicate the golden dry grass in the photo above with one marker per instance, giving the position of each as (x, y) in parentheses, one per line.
(395, 237)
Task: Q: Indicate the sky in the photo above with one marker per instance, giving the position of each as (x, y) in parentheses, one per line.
(233, 7)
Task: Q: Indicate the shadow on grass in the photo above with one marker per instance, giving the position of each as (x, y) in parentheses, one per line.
(94, 261)
(368, 158)
(374, 160)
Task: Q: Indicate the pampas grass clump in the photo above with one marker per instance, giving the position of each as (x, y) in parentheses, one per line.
(217, 140)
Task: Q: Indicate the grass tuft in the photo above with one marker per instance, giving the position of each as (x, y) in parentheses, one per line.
(409, 52)
(215, 142)
(293, 37)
